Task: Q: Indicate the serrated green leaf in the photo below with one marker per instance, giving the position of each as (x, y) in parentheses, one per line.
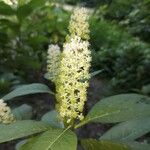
(118, 108)
(54, 139)
(21, 129)
(23, 112)
(28, 89)
(52, 118)
(91, 144)
(128, 131)
(6, 9)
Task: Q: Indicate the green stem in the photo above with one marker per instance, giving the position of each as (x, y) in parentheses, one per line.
(79, 125)
(71, 124)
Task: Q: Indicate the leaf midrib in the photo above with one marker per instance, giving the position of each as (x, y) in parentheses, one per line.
(50, 146)
(132, 133)
(93, 118)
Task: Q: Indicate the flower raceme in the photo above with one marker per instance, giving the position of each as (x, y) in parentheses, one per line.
(72, 79)
(53, 61)
(79, 23)
(5, 113)
(71, 87)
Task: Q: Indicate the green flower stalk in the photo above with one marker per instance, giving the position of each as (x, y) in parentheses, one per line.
(72, 80)
(53, 61)
(6, 116)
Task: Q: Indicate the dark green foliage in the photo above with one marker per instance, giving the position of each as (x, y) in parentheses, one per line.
(119, 39)
(125, 59)
(25, 33)
(132, 14)
(120, 47)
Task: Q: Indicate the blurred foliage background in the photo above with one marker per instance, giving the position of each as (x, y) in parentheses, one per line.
(120, 36)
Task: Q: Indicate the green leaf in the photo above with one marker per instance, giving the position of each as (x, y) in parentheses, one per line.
(28, 89)
(46, 76)
(6, 23)
(146, 89)
(96, 72)
(52, 118)
(118, 108)
(91, 144)
(138, 146)
(128, 131)
(6, 9)
(21, 2)
(23, 112)
(82, 80)
(25, 10)
(36, 4)
(19, 144)
(54, 139)
(21, 129)
(37, 40)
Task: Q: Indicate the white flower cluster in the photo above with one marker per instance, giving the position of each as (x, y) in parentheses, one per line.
(71, 87)
(5, 113)
(69, 70)
(53, 61)
(11, 2)
(78, 24)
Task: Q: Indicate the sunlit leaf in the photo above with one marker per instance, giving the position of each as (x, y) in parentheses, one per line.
(54, 139)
